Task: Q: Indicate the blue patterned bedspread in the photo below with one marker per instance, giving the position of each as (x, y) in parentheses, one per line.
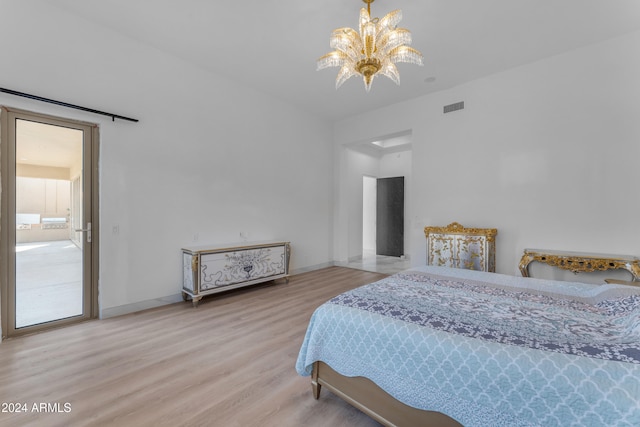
(488, 349)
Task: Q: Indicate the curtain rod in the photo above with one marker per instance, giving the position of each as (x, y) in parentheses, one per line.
(65, 104)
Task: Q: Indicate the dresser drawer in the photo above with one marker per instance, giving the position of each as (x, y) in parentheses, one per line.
(223, 269)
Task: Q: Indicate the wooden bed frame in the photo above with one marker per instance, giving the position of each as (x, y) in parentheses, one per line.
(365, 395)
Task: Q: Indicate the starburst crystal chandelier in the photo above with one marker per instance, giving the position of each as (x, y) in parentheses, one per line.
(375, 50)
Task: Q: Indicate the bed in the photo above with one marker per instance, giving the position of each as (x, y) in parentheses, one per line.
(441, 346)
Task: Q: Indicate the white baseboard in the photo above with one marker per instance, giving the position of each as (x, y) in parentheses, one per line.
(172, 299)
(361, 257)
(139, 306)
(312, 268)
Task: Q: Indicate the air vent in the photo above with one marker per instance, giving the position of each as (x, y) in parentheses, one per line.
(453, 107)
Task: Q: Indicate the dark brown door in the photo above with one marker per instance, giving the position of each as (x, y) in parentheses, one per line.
(390, 216)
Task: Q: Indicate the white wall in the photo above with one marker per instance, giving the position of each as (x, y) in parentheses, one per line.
(209, 158)
(359, 164)
(356, 165)
(547, 153)
(369, 213)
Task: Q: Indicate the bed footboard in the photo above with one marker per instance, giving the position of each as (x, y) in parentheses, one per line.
(365, 395)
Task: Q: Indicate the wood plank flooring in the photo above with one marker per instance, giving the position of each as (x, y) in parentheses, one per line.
(229, 362)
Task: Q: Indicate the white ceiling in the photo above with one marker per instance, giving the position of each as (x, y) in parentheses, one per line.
(41, 144)
(273, 44)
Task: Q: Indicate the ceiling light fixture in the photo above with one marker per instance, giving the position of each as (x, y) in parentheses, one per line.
(375, 50)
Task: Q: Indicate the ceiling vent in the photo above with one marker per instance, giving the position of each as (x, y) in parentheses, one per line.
(453, 107)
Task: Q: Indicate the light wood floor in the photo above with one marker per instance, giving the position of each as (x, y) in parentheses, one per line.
(229, 362)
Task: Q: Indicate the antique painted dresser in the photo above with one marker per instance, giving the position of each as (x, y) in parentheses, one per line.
(211, 269)
(459, 247)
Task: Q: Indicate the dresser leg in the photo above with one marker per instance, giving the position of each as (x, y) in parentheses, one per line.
(195, 301)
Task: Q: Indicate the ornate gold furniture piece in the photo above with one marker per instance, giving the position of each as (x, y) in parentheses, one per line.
(579, 262)
(459, 247)
(211, 269)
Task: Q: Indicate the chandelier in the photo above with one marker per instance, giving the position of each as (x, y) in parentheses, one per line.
(375, 50)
